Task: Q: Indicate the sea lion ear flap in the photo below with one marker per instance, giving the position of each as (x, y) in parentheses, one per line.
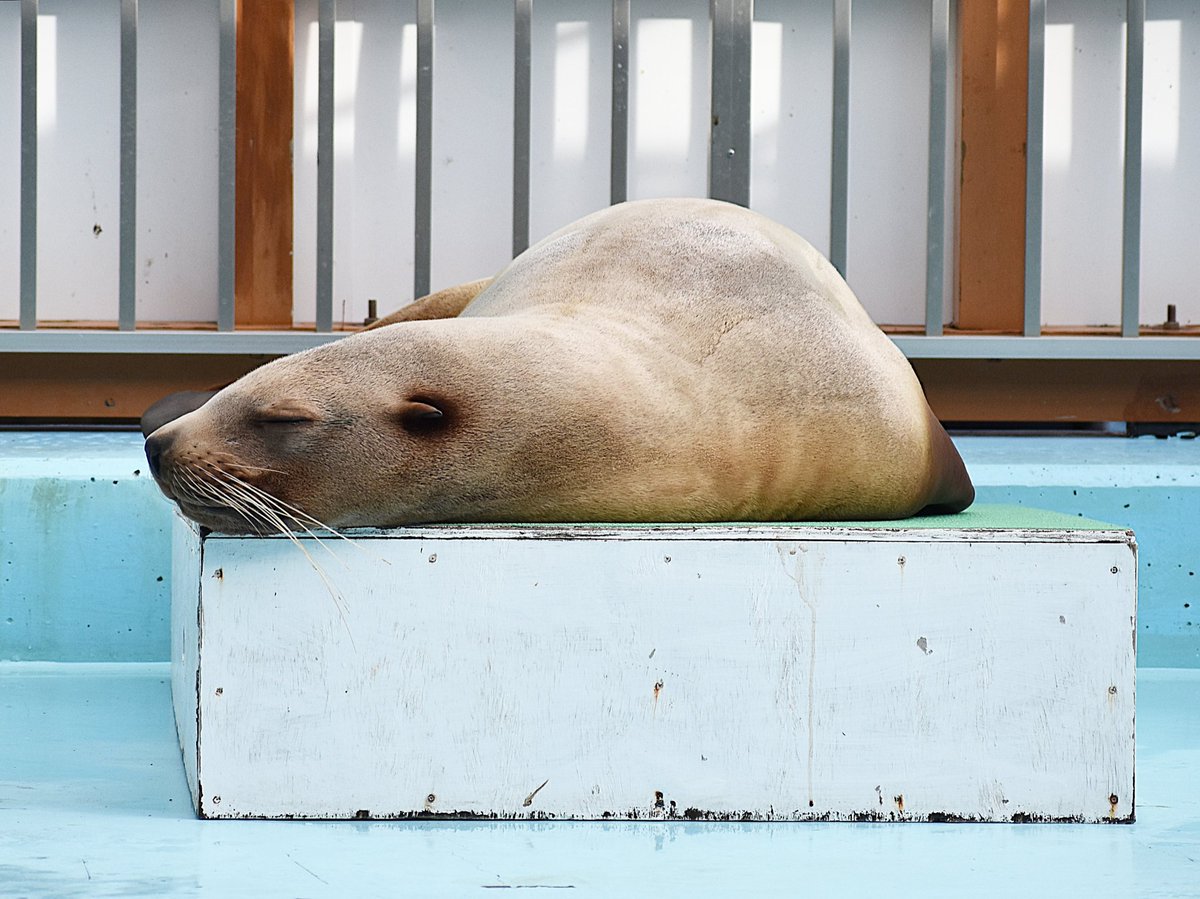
(418, 414)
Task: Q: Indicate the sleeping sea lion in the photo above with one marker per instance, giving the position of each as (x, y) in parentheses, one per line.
(662, 360)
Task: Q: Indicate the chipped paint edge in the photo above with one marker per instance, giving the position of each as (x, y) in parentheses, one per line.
(821, 533)
(207, 808)
(688, 816)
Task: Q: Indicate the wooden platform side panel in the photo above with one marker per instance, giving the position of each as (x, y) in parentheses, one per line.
(882, 677)
(263, 218)
(994, 40)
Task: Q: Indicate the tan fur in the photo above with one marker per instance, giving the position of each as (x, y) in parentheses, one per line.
(664, 360)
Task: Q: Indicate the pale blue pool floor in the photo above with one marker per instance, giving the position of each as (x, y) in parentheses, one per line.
(93, 800)
(93, 803)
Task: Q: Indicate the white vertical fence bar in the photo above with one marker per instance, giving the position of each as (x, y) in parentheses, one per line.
(29, 161)
(839, 218)
(422, 236)
(326, 20)
(1131, 236)
(1033, 168)
(127, 237)
(935, 240)
(618, 176)
(522, 61)
(226, 164)
(729, 131)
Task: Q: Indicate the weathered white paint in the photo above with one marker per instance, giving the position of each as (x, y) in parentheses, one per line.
(767, 673)
(185, 646)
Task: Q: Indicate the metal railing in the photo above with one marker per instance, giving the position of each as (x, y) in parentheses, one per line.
(729, 178)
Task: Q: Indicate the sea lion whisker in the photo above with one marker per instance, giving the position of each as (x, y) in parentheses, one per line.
(235, 489)
(254, 514)
(232, 493)
(300, 516)
(239, 500)
(245, 466)
(198, 488)
(285, 510)
(296, 514)
(237, 503)
(292, 511)
(339, 600)
(260, 468)
(262, 500)
(193, 487)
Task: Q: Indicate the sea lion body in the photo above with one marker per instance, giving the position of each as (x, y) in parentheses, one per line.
(663, 360)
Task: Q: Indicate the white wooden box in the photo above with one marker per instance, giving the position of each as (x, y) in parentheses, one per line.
(978, 668)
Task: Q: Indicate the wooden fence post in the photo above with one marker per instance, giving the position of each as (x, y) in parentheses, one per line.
(994, 37)
(263, 267)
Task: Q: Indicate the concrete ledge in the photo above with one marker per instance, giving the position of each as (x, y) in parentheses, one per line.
(85, 559)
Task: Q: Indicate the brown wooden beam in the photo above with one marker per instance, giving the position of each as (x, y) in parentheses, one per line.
(994, 40)
(263, 217)
(106, 387)
(1041, 391)
(81, 387)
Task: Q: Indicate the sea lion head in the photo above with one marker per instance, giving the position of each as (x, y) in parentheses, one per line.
(337, 436)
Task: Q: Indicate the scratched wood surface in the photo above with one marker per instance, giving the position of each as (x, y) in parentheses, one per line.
(877, 676)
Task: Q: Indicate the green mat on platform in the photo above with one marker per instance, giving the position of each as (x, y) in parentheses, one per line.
(990, 516)
(979, 517)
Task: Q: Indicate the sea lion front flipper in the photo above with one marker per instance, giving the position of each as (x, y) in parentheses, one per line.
(446, 303)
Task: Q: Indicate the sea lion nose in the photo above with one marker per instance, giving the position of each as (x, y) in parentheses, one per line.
(156, 444)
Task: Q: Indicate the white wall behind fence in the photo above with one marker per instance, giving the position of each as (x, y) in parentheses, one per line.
(571, 109)
(669, 90)
(1171, 150)
(78, 90)
(1084, 151)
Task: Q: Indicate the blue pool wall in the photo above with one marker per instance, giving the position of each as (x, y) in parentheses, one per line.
(85, 557)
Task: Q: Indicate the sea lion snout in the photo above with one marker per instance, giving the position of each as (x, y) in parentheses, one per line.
(161, 455)
(221, 493)
(156, 444)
